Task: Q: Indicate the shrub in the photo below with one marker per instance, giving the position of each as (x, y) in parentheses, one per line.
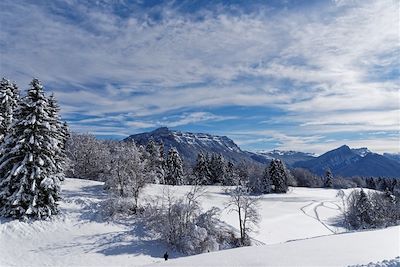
(182, 224)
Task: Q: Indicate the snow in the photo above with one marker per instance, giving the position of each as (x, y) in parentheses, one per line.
(298, 228)
(334, 250)
(363, 151)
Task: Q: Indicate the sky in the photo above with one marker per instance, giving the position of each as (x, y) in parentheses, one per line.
(289, 75)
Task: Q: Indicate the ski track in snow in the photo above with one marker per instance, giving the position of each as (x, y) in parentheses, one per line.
(316, 216)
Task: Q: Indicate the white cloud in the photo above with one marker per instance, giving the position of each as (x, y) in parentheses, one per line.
(318, 66)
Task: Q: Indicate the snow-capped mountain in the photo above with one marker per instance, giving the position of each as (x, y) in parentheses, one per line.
(289, 157)
(363, 151)
(348, 162)
(190, 144)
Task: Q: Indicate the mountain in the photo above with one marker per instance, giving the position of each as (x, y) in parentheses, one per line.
(190, 144)
(352, 162)
(392, 156)
(289, 157)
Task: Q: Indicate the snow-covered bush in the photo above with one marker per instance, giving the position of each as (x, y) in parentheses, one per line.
(182, 224)
(371, 210)
(115, 207)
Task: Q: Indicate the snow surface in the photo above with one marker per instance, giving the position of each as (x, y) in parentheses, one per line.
(334, 250)
(80, 237)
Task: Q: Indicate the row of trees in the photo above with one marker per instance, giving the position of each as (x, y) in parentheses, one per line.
(91, 158)
(32, 152)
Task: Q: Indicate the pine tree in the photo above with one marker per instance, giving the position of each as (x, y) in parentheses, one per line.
(371, 183)
(59, 133)
(174, 168)
(28, 186)
(217, 168)
(328, 179)
(279, 176)
(9, 97)
(266, 182)
(155, 161)
(201, 170)
(364, 210)
(229, 174)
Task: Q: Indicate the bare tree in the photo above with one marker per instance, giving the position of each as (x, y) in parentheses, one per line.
(246, 207)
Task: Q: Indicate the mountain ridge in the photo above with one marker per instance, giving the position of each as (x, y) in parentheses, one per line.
(344, 161)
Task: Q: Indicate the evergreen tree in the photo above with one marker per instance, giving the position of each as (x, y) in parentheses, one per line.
(217, 168)
(59, 132)
(328, 179)
(229, 174)
(9, 97)
(155, 161)
(266, 182)
(29, 187)
(201, 171)
(174, 168)
(278, 176)
(364, 210)
(371, 183)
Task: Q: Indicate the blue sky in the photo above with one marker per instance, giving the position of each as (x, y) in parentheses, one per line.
(299, 75)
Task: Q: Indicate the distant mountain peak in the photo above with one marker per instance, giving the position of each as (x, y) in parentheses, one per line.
(350, 162)
(162, 130)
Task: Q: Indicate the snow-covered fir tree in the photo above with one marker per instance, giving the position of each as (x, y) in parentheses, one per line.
(29, 185)
(60, 134)
(154, 156)
(266, 182)
(371, 183)
(217, 168)
(201, 171)
(278, 176)
(9, 97)
(174, 168)
(328, 179)
(230, 174)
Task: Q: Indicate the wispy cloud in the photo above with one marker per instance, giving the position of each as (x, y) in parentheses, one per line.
(116, 69)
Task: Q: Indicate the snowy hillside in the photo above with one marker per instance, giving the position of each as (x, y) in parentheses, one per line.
(305, 217)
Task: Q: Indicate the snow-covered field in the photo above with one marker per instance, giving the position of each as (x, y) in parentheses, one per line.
(305, 217)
